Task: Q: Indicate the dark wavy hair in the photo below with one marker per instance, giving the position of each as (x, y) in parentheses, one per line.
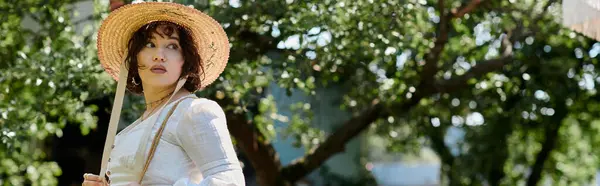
(192, 65)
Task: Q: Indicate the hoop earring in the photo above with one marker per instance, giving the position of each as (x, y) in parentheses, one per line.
(133, 81)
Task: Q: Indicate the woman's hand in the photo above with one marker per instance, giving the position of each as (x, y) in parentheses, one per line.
(92, 180)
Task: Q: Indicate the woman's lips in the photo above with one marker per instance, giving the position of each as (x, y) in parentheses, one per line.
(158, 69)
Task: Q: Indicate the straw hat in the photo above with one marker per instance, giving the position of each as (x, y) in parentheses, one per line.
(119, 26)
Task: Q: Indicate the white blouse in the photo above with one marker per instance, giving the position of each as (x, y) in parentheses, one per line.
(194, 149)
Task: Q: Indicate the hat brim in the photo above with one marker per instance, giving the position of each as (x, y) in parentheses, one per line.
(208, 35)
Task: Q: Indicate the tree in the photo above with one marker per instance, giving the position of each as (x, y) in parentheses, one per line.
(517, 85)
(47, 73)
(409, 61)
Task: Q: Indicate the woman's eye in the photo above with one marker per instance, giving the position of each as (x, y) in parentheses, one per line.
(172, 46)
(149, 44)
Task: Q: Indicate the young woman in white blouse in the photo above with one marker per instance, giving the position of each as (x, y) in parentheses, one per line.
(166, 52)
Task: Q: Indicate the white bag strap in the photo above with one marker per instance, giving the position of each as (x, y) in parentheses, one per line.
(115, 115)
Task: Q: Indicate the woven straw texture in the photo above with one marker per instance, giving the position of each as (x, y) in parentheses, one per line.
(116, 30)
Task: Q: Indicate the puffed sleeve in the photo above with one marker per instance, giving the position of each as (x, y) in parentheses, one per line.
(204, 136)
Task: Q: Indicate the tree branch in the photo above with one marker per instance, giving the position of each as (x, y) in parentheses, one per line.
(352, 127)
(468, 53)
(334, 143)
(480, 69)
(433, 57)
(466, 8)
(431, 63)
(483, 67)
(489, 65)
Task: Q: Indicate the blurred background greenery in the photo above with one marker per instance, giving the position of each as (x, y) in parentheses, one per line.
(324, 92)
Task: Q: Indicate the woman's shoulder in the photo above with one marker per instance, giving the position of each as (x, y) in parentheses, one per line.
(204, 107)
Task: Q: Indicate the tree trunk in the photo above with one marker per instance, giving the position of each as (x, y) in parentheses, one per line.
(255, 146)
(447, 175)
(504, 128)
(551, 137)
(543, 155)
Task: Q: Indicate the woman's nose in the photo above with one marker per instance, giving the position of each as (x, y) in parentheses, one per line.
(159, 57)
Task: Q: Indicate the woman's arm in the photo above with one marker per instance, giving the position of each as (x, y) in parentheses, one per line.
(204, 136)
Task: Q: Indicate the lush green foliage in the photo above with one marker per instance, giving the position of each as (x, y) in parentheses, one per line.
(47, 73)
(542, 97)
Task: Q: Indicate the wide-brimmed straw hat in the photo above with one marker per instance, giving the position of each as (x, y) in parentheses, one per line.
(118, 28)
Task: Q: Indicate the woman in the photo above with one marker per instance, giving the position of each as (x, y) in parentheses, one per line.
(169, 51)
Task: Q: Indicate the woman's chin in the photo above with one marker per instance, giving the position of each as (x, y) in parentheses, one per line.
(160, 85)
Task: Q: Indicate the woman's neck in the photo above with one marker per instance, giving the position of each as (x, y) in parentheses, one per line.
(154, 95)
(155, 98)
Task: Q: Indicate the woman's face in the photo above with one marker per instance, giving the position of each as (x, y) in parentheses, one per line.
(161, 59)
